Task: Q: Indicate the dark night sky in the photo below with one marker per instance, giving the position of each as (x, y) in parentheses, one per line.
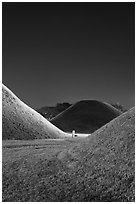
(66, 52)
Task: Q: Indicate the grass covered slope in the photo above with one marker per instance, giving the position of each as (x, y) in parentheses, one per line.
(105, 162)
(85, 116)
(98, 168)
(19, 121)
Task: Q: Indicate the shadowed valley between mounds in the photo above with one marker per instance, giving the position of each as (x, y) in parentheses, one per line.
(19, 121)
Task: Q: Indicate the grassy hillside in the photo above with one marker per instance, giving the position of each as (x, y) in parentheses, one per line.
(85, 116)
(99, 168)
(21, 122)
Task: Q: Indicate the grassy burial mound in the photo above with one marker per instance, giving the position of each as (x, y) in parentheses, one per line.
(21, 122)
(98, 168)
(85, 116)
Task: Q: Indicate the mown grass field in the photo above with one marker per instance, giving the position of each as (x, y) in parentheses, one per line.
(16, 149)
(26, 164)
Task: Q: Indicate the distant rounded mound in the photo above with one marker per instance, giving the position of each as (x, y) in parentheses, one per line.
(85, 116)
(19, 121)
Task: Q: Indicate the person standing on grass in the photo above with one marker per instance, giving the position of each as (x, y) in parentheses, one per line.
(73, 133)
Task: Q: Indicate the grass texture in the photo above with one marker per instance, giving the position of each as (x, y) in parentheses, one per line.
(99, 168)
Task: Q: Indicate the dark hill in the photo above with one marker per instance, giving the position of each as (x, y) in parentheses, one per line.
(100, 168)
(19, 121)
(85, 116)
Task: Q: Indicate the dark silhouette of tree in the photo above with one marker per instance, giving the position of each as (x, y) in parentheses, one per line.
(119, 107)
(51, 112)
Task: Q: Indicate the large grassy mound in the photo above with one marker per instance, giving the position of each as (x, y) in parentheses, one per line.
(85, 116)
(21, 122)
(98, 168)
